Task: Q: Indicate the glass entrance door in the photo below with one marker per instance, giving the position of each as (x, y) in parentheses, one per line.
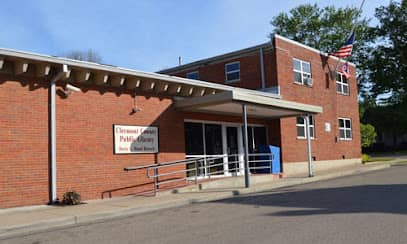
(213, 148)
(232, 148)
(220, 146)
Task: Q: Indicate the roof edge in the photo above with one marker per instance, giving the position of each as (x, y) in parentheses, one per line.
(310, 48)
(217, 57)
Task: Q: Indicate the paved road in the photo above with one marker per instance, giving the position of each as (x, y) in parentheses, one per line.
(368, 208)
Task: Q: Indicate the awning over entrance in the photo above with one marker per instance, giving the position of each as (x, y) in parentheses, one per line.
(258, 106)
(250, 104)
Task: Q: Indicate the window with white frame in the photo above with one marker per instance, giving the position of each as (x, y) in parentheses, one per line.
(193, 75)
(302, 71)
(342, 85)
(232, 71)
(301, 128)
(345, 129)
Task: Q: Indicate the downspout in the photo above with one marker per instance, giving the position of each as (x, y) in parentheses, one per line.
(263, 78)
(53, 162)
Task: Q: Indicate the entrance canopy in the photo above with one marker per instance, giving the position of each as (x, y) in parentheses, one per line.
(258, 106)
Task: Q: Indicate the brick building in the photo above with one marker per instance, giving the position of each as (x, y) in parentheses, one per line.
(297, 73)
(55, 138)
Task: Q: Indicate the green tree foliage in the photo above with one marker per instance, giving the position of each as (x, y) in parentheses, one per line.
(390, 118)
(325, 28)
(367, 135)
(387, 60)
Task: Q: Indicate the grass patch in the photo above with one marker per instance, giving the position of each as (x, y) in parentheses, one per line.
(378, 159)
(394, 153)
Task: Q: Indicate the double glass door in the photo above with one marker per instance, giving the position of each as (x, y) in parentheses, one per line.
(221, 146)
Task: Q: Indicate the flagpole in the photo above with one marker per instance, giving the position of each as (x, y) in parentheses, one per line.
(353, 29)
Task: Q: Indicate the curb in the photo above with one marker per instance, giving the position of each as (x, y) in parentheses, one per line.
(75, 220)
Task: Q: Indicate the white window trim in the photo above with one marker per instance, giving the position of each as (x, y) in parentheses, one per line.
(305, 131)
(193, 72)
(342, 84)
(345, 129)
(231, 72)
(303, 73)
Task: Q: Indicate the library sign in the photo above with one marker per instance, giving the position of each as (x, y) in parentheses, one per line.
(135, 139)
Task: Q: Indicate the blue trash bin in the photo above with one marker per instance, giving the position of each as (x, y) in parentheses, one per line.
(274, 158)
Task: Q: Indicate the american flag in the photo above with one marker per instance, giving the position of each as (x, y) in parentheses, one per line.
(346, 49)
(345, 70)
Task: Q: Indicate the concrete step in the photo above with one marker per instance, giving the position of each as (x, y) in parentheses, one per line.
(222, 184)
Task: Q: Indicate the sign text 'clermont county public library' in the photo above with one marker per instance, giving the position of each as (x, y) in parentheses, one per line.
(135, 139)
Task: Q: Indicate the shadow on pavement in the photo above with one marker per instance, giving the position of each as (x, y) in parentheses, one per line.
(353, 199)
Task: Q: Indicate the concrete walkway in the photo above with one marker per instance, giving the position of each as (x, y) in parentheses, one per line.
(26, 220)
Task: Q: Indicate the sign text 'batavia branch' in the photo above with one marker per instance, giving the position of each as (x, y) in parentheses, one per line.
(135, 139)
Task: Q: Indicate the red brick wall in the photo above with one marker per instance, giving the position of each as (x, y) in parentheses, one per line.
(85, 141)
(23, 142)
(322, 93)
(250, 75)
(85, 159)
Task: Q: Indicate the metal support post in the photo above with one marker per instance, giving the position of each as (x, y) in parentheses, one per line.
(155, 180)
(246, 148)
(309, 154)
(196, 171)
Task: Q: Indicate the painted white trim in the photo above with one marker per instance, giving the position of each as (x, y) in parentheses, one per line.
(345, 129)
(305, 131)
(302, 72)
(310, 48)
(342, 84)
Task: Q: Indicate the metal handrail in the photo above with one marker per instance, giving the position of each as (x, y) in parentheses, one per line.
(200, 164)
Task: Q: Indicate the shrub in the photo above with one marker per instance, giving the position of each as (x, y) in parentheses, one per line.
(71, 198)
(365, 158)
(367, 135)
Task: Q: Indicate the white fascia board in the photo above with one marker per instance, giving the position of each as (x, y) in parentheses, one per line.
(311, 49)
(124, 71)
(245, 97)
(278, 103)
(108, 68)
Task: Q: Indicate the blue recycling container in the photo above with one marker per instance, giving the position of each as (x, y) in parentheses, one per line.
(274, 158)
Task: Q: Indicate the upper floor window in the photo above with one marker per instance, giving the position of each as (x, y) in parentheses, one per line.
(232, 71)
(301, 128)
(302, 71)
(345, 129)
(193, 75)
(342, 85)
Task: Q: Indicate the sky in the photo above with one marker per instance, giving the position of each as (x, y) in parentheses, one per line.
(146, 35)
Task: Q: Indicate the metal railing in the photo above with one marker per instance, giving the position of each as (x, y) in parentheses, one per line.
(197, 168)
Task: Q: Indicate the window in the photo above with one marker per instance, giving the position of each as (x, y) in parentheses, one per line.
(195, 146)
(256, 137)
(345, 129)
(302, 71)
(193, 75)
(232, 71)
(301, 131)
(342, 85)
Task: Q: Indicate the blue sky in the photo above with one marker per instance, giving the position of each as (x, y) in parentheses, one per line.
(146, 35)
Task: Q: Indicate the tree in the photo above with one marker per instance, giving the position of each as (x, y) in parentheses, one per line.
(387, 59)
(367, 135)
(322, 28)
(90, 56)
